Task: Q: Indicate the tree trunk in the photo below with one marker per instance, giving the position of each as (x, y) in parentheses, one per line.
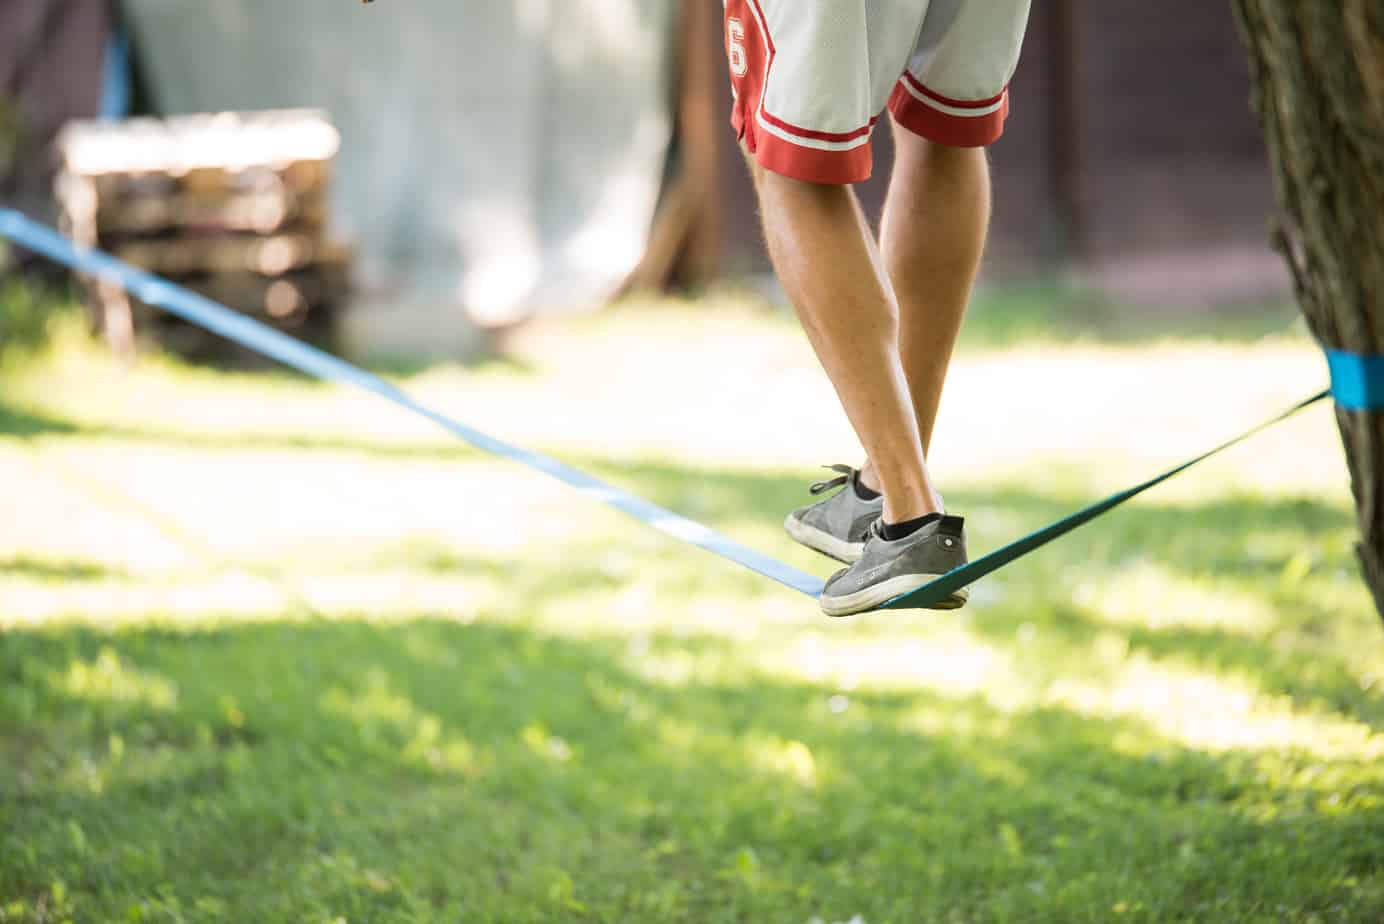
(1319, 90)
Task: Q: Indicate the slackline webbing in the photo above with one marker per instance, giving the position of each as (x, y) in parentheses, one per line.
(949, 583)
(259, 337)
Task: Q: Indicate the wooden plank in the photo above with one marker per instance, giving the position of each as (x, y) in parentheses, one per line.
(264, 212)
(270, 256)
(274, 296)
(181, 144)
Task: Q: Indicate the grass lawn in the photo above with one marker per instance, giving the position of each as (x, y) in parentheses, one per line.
(276, 652)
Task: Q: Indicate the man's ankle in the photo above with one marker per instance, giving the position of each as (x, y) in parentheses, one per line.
(916, 505)
(892, 532)
(863, 491)
(868, 479)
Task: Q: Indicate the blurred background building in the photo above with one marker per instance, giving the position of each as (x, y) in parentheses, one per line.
(500, 159)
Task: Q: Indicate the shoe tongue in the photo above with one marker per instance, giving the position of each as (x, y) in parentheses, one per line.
(951, 526)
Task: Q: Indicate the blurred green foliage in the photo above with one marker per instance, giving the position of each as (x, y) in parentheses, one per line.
(29, 316)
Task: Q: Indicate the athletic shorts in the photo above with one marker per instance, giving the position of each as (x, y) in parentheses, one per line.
(810, 77)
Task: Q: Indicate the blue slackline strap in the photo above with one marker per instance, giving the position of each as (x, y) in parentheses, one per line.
(945, 586)
(259, 337)
(1357, 381)
(263, 339)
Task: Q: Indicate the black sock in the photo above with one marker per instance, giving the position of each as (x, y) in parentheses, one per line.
(863, 492)
(892, 532)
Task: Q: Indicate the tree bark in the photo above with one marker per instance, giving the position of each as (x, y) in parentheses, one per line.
(1318, 73)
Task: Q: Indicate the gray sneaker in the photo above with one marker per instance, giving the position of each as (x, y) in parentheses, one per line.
(836, 526)
(891, 569)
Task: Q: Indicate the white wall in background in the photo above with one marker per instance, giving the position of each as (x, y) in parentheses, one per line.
(497, 155)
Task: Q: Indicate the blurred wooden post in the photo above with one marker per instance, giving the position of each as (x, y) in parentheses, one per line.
(701, 119)
(108, 306)
(117, 320)
(1066, 234)
(685, 242)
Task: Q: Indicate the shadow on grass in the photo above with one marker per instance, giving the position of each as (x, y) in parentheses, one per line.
(494, 358)
(57, 569)
(1001, 318)
(436, 768)
(24, 423)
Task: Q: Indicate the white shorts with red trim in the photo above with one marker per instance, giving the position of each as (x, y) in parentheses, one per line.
(811, 76)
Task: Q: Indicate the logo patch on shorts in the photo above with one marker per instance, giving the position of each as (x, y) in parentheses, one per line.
(735, 47)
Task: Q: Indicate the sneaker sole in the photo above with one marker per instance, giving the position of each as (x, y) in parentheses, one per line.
(824, 542)
(876, 595)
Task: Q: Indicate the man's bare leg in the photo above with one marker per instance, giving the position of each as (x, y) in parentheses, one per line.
(932, 237)
(833, 273)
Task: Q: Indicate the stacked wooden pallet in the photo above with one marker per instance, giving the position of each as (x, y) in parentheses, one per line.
(233, 205)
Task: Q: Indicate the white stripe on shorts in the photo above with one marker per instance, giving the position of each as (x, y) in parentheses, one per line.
(804, 142)
(968, 112)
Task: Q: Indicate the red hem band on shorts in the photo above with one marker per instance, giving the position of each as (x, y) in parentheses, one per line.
(812, 165)
(957, 123)
(802, 161)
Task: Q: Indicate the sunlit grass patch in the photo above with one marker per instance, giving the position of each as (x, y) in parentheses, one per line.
(1148, 594)
(1204, 711)
(110, 678)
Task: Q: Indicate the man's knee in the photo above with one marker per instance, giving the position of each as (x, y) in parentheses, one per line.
(933, 154)
(751, 162)
(949, 154)
(762, 176)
